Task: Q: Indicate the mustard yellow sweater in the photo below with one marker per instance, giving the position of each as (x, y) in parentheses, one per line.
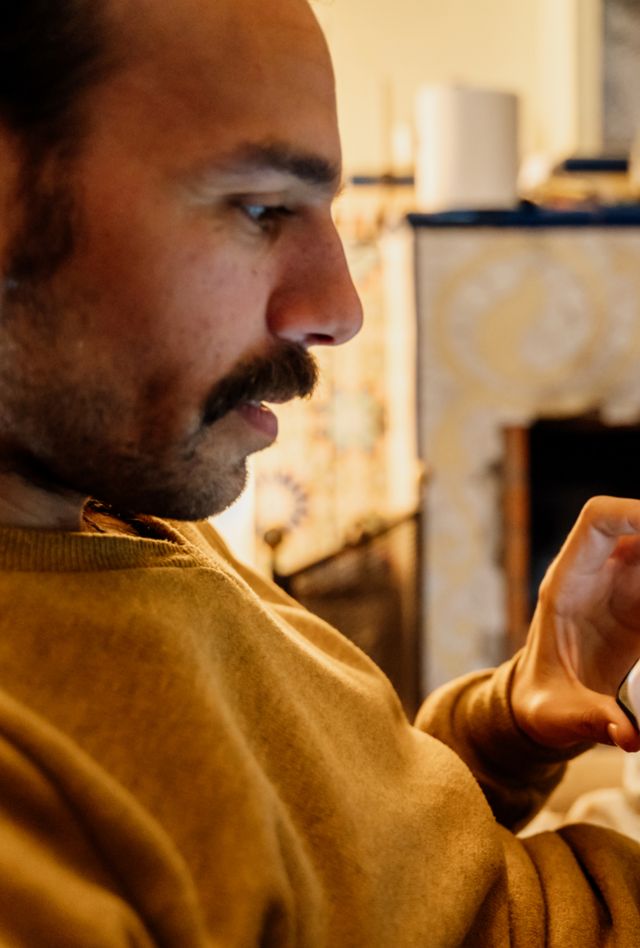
(188, 758)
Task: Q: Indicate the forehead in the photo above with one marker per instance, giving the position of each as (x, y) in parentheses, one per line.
(220, 68)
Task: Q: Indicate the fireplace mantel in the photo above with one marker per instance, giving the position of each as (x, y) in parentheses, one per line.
(520, 317)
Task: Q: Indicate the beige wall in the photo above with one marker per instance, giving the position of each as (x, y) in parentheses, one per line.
(548, 51)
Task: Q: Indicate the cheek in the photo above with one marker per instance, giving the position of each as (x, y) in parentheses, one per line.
(179, 318)
(210, 300)
(158, 285)
(171, 288)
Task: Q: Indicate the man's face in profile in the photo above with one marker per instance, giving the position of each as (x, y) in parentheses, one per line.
(204, 261)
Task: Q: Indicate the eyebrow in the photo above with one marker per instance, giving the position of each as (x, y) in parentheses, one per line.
(256, 158)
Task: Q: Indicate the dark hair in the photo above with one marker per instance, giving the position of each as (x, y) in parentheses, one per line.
(51, 53)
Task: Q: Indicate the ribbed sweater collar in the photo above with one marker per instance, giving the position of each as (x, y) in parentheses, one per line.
(59, 551)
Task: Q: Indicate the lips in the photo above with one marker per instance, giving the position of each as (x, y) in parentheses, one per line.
(260, 417)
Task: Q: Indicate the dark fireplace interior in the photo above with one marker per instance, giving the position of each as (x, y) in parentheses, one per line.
(551, 469)
(569, 462)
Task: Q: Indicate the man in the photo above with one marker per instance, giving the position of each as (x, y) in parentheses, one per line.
(187, 758)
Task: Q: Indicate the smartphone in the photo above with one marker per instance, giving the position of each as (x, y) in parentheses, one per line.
(628, 696)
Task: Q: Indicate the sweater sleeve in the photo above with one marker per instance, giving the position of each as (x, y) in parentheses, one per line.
(78, 866)
(53, 890)
(578, 885)
(473, 716)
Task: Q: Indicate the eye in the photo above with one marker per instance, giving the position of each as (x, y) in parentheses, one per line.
(265, 216)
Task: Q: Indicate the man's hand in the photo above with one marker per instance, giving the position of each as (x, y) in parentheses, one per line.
(585, 633)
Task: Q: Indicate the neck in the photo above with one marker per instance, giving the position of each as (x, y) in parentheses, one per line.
(25, 504)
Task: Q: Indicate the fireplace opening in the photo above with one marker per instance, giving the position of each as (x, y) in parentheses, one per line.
(552, 469)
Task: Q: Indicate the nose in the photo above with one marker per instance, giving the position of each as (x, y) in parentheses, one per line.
(315, 302)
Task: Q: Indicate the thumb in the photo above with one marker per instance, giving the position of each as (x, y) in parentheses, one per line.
(564, 717)
(599, 718)
(624, 735)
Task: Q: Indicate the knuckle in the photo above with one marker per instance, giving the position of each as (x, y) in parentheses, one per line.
(592, 507)
(597, 506)
(544, 589)
(548, 589)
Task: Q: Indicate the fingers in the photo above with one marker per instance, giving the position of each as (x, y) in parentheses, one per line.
(555, 702)
(601, 524)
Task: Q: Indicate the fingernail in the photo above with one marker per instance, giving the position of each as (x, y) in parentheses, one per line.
(613, 730)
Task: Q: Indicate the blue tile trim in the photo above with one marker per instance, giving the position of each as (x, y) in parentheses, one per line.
(528, 215)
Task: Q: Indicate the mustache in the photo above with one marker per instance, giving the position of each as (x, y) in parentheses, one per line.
(288, 372)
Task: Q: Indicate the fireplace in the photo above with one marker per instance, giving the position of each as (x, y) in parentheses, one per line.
(551, 469)
(528, 339)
